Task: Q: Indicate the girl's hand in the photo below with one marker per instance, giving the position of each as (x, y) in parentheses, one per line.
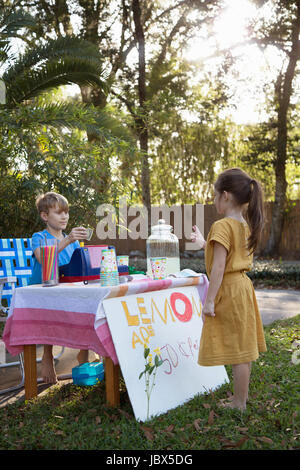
(209, 309)
(77, 233)
(197, 237)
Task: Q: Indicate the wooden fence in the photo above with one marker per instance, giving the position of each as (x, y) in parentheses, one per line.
(290, 239)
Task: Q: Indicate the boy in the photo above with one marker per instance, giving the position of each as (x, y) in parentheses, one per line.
(54, 211)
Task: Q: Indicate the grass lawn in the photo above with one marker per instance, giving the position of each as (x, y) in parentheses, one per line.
(71, 417)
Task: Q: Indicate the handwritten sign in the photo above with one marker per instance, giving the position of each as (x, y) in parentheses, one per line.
(166, 324)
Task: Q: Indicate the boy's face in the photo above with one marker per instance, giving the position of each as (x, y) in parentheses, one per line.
(56, 218)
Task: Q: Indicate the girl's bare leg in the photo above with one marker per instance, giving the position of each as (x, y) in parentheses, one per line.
(231, 397)
(241, 378)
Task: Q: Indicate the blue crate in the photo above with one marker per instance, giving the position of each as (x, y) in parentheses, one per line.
(89, 373)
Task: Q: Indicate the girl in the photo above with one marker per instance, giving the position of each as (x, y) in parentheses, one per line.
(232, 331)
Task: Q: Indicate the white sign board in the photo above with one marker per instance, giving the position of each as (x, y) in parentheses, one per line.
(170, 320)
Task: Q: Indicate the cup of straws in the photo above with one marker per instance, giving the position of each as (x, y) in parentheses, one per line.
(49, 262)
(109, 274)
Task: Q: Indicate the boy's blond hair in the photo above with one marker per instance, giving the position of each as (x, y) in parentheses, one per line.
(49, 200)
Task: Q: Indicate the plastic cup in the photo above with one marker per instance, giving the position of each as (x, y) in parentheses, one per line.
(159, 267)
(109, 275)
(123, 260)
(90, 232)
(109, 260)
(49, 262)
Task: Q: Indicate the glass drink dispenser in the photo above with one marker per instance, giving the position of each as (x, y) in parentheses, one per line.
(163, 243)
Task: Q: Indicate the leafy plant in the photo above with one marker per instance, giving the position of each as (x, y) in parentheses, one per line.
(43, 139)
(44, 65)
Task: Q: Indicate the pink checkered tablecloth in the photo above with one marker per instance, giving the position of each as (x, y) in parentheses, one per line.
(72, 314)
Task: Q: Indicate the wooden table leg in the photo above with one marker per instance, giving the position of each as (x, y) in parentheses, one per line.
(30, 371)
(112, 382)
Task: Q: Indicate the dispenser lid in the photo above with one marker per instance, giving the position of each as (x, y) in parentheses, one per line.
(161, 226)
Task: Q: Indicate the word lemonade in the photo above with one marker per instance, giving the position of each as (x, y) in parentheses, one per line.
(174, 307)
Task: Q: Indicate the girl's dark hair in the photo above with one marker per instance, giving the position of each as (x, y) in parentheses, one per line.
(245, 190)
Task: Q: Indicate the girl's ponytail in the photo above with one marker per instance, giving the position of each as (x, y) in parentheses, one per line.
(245, 191)
(255, 214)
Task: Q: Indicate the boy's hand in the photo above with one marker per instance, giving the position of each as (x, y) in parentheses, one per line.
(209, 309)
(77, 233)
(197, 237)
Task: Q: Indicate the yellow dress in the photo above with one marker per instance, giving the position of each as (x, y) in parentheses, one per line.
(235, 335)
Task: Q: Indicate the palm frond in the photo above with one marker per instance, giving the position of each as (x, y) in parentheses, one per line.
(12, 21)
(49, 75)
(63, 47)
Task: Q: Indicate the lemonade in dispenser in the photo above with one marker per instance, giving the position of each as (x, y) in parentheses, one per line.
(163, 243)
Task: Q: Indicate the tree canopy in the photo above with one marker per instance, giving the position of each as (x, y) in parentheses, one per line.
(147, 120)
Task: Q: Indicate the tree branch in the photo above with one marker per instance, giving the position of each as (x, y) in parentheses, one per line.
(129, 105)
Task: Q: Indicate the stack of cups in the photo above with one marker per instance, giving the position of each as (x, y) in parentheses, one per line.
(109, 275)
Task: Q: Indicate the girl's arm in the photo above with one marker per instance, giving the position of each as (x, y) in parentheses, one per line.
(216, 277)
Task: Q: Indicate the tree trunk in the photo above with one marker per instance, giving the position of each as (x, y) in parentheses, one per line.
(62, 15)
(283, 91)
(141, 120)
(89, 94)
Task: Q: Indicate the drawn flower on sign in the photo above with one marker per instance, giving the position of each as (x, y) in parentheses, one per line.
(150, 370)
(296, 353)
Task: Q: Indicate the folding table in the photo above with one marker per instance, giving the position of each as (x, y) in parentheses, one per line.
(72, 315)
